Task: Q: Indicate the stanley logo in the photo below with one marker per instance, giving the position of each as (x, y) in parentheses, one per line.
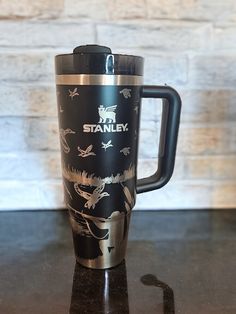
(107, 122)
(94, 128)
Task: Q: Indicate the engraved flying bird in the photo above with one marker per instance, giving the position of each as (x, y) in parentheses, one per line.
(125, 151)
(106, 145)
(73, 93)
(126, 92)
(87, 152)
(92, 198)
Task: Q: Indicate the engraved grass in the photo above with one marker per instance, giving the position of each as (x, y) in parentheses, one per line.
(84, 178)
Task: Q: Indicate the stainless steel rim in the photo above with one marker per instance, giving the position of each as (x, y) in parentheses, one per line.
(98, 79)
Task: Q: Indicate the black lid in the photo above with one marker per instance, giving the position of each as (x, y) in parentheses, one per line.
(94, 59)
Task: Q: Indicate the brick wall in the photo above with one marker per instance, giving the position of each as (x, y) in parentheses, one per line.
(189, 44)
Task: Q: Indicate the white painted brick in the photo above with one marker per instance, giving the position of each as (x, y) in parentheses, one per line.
(224, 195)
(28, 100)
(230, 100)
(92, 9)
(192, 9)
(164, 35)
(45, 34)
(122, 9)
(232, 138)
(19, 195)
(27, 67)
(51, 195)
(43, 134)
(162, 9)
(16, 195)
(211, 167)
(165, 69)
(204, 106)
(148, 140)
(105, 9)
(28, 8)
(19, 134)
(208, 10)
(205, 140)
(151, 109)
(177, 195)
(215, 71)
(30, 166)
(224, 38)
(13, 132)
(147, 167)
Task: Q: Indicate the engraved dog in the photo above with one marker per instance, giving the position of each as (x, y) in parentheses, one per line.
(107, 114)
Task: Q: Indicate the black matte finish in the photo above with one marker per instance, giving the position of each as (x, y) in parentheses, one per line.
(177, 262)
(91, 49)
(83, 112)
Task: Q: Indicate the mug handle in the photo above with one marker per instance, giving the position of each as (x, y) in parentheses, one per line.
(168, 137)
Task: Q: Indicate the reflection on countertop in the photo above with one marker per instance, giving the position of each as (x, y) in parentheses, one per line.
(99, 291)
(177, 262)
(106, 291)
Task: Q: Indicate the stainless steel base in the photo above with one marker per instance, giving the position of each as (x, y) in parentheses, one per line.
(107, 239)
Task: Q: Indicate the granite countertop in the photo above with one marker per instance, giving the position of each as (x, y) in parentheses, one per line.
(177, 262)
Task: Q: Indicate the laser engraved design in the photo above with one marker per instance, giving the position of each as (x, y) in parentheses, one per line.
(87, 152)
(106, 145)
(65, 145)
(125, 151)
(107, 114)
(83, 178)
(107, 122)
(96, 232)
(61, 110)
(92, 198)
(129, 204)
(103, 128)
(87, 225)
(100, 228)
(136, 109)
(73, 93)
(126, 92)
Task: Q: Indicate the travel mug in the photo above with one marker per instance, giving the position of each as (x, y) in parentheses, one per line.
(99, 100)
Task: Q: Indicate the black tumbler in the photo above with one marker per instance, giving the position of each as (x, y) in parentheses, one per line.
(99, 100)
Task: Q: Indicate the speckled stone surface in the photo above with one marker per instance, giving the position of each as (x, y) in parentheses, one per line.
(177, 262)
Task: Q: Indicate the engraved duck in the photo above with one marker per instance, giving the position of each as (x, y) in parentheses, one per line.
(73, 93)
(92, 198)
